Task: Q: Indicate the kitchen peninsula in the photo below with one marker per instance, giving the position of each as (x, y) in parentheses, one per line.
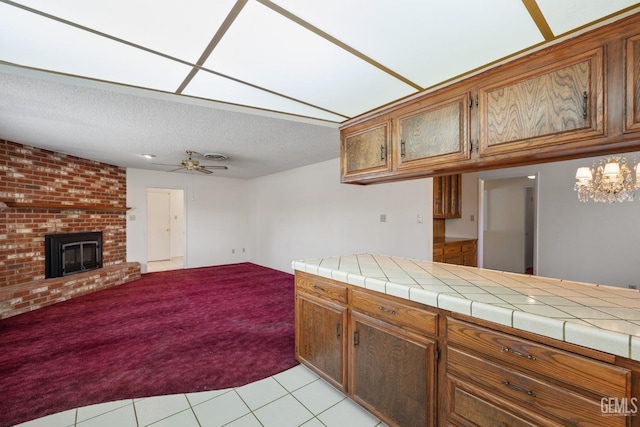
(425, 343)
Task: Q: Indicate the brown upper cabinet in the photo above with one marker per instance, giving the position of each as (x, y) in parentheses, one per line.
(632, 122)
(550, 106)
(365, 150)
(436, 133)
(577, 98)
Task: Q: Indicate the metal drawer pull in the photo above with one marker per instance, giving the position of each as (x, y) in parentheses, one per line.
(517, 353)
(319, 288)
(387, 310)
(518, 388)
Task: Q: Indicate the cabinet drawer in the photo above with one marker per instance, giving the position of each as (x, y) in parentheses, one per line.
(451, 249)
(323, 289)
(481, 412)
(530, 393)
(468, 247)
(438, 251)
(395, 313)
(598, 377)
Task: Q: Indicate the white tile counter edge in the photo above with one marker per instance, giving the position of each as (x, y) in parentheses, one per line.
(612, 342)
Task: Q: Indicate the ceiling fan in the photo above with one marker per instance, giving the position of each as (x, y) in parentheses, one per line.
(191, 164)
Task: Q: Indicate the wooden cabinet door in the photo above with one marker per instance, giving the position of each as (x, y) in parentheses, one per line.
(447, 196)
(365, 151)
(321, 329)
(392, 372)
(554, 105)
(433, 135)
(632, 114)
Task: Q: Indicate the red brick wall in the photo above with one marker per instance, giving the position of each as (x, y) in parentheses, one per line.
(37, 176)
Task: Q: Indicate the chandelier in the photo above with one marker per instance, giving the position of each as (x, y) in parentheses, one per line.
(609, 181)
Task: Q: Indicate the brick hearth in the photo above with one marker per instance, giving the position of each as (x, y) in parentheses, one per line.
(47, 193)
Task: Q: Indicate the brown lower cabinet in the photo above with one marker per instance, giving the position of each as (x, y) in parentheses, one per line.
(415, 365)
(459, 252)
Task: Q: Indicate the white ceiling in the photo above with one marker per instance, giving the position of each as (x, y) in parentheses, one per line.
(265, 82)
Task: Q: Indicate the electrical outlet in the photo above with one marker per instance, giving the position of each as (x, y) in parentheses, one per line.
(473, 218)
(383, 217)
(419, 219)
(233, 251)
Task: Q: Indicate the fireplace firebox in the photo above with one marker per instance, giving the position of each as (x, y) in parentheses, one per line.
(72, 253)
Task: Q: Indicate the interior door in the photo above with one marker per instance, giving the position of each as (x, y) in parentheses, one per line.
(158, 225)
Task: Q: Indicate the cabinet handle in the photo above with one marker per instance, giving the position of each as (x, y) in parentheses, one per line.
(356, 338)
(338, 330)
(402, 148)
(585, 99)
(386, 310)
(319, 288)
(517, 353)
(518, 388)
(382, 152)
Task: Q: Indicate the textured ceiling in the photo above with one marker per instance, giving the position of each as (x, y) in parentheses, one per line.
(264, 82)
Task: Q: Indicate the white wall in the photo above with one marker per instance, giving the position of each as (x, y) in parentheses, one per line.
(216, 216)
(589, 242)
(465, 226)
(306, 213)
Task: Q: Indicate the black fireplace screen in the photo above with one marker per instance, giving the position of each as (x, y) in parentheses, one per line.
(72, 253)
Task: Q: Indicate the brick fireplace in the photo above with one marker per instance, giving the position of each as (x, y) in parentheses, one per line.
(47, 193)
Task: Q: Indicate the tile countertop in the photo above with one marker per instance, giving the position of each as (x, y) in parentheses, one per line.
(599, 317)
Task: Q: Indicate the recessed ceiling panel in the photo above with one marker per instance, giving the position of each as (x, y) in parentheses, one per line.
(31, 40)
(566, 15)
(268, 50)
(210, 86)
(181, 29)
(425, 41)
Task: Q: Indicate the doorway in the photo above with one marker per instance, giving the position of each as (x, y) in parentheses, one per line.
(507, 235)
(165, 229)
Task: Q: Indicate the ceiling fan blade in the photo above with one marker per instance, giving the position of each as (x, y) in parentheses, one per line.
(173, 170)
(215, 167)
(203, 170)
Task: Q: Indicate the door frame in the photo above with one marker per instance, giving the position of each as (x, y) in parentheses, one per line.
(183, 202)
(482, 212)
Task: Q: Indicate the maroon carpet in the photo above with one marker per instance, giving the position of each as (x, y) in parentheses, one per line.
(171, 332)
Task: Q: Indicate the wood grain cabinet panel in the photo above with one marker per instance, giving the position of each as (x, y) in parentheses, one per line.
(590, 375)
(366, 151)
(550, 106)
(433, 135)
(399, 314)
(537, 380)
(459, 253)
(632, 113)
(447, 196)
(392, 372)
(321, 328)
(528, 392)
(470, 406)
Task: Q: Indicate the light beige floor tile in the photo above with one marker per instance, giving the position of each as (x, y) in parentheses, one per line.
(318, 396)
(284, 412)
(185, 418)
(91, 411)
(122, 417)
(156, 408)
(61, 419)
(201, 397)
(296, 377)
(261, 392)
(221, 410)
(347, 413)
